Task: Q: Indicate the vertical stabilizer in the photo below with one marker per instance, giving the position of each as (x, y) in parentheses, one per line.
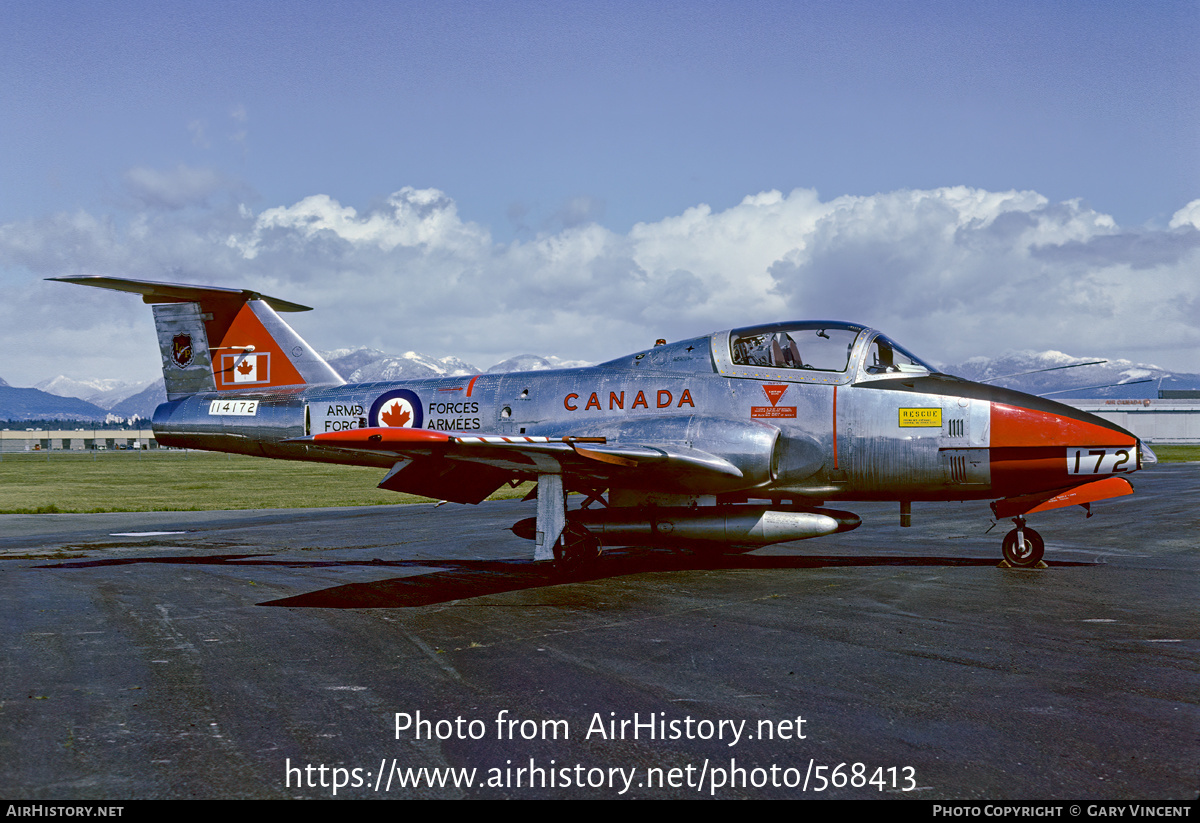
(186, 361)
(216, 339)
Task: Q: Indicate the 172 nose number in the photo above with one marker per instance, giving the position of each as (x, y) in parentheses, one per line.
(1100, 461)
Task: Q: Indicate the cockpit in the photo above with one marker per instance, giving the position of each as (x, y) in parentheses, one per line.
(815, 351)
(885, 357)
(820, 349)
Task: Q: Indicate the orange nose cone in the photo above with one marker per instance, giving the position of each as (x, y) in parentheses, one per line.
(1055, 447)
(1015, 427)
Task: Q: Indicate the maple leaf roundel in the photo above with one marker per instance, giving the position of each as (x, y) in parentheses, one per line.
(399, 408)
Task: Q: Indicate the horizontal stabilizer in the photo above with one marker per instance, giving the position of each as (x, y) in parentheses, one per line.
(214, 339)
(179, 293)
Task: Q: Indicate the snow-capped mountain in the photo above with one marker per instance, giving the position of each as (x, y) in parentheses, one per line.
(366, 365)
(347, 361)
(410, 365)
(531, 362)
(1113, 378)
(35, 404)
(104, 393)
(143, 403)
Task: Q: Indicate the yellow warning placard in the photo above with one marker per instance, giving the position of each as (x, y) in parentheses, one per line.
(913, 418)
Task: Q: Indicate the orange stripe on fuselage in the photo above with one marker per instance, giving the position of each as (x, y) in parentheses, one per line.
(1015, 427)
(835, 452)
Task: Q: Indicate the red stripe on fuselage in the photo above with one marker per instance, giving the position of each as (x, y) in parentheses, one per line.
(380, 437)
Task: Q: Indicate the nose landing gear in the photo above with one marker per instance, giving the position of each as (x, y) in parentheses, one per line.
(1023, 547)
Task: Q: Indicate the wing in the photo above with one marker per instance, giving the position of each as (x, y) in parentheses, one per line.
(466, 468)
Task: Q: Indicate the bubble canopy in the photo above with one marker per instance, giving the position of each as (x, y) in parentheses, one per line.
(820, 346)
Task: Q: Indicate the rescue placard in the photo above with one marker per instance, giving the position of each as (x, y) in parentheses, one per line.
(920, 418)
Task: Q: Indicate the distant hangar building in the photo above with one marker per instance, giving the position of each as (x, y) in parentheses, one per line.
(1164, 410)
(1161, 420)
(22, 440)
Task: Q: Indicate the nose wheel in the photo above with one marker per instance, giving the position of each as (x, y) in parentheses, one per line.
(1023, 547)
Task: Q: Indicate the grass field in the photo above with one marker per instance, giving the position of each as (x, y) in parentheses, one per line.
(1177, 454)
(49, 482)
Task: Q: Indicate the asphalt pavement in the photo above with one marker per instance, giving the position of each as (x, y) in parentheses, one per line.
(416, 651)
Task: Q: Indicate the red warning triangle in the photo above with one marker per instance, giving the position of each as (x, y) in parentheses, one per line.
(775, 392)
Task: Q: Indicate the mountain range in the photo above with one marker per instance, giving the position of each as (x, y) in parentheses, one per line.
(1061, 376)
(63, 398)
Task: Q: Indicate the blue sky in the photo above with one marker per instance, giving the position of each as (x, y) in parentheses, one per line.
(133, 134)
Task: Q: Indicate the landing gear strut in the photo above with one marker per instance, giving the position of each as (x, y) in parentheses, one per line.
(570, 545)
(1023, 547)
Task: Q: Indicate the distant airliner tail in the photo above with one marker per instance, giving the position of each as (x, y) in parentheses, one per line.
(217, 339)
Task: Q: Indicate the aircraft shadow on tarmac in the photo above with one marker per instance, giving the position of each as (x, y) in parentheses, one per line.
(464, 579)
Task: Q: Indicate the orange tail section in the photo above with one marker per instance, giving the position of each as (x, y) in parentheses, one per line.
(217, 339)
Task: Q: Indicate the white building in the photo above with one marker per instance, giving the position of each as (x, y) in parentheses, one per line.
(32, 440)
(1166, 420)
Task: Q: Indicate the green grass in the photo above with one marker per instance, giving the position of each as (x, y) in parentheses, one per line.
(1177, 454)
(41, 483)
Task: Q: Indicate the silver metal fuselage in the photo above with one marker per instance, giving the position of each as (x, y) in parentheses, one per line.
(725, 442)
(793, 434)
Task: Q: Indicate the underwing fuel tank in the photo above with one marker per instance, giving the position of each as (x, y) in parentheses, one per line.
(725, 528)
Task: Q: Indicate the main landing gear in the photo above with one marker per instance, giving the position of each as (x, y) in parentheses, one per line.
(577, 549)
(1023, 547)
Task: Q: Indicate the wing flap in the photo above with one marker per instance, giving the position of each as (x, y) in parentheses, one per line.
(444, 479)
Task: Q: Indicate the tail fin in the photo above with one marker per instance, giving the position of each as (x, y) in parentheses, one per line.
(254, 348)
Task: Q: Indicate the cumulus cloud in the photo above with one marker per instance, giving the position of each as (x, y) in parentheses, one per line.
(952, 273)
(1189, 215)
(411, 218)
(957, 266)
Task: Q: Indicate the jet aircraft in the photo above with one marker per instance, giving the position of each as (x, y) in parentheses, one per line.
(724, 442)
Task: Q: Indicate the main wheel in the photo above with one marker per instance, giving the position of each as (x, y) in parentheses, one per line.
(578, 551)
(1026, 555)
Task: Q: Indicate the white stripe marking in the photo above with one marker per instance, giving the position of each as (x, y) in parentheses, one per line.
(142, 534)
